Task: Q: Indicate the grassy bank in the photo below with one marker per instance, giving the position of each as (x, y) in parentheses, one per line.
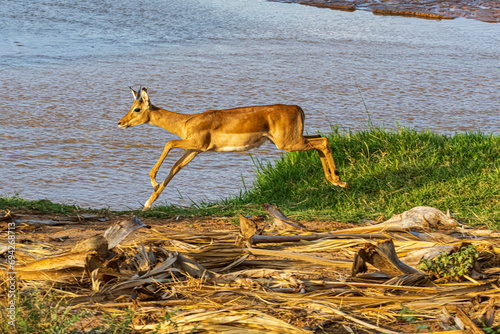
(388, 172)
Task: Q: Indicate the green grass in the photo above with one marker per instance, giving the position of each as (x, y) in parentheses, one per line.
(388, 171)
(38, 312)
(48, 312)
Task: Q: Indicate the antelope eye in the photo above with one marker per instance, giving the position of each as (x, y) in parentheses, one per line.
(137, 109)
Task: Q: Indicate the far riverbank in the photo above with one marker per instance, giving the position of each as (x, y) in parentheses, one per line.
(482, 10)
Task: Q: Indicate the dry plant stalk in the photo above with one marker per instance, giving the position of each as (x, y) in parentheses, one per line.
(289, 285)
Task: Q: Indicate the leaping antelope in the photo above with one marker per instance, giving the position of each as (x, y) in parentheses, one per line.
(230, 130)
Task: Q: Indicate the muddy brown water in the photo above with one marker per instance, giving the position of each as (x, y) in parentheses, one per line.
(65, 69)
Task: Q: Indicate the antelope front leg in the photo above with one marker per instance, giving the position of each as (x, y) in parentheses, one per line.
(154, 170)
(183, 161)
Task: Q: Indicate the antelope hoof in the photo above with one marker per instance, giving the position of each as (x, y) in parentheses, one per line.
(341, 184)
(147, 206)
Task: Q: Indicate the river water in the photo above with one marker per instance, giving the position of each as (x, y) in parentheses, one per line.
(65, 68)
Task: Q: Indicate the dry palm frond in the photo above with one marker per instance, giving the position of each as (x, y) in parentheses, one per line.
(142, 259)
(226, 321)
(96, 283)
(219, 287)
(118, 231)
(326, 245)
(161, 268)
(57, 262)
(301, 257)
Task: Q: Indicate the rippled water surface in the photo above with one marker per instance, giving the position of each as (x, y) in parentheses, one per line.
(65, 68)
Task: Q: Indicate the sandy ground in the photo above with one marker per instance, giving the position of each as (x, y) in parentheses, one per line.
(482, 10)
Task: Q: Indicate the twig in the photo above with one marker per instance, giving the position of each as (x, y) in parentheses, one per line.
(361, 322)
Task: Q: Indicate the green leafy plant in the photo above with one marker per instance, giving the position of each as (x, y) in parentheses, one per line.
(409, 316)
(173, 326)
(406, 314)
(452, 267)
(489, 330)
(114, 324)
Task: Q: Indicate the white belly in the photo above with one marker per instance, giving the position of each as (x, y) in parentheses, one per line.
(238, 145)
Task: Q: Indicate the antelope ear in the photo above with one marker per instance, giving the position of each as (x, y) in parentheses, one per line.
(448, 213)
(134, 93)
(144, 95)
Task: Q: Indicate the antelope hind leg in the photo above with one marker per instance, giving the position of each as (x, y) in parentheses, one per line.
(322, 146)
(323, 158)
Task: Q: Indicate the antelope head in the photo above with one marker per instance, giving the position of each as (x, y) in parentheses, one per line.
(139, 112)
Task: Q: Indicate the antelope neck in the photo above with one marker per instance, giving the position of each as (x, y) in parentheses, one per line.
(171, 121)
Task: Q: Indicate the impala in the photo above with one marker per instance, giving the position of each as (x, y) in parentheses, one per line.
(230, 130)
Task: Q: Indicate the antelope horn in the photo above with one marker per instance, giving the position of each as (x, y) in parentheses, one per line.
(134, 93)
(139, 98)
